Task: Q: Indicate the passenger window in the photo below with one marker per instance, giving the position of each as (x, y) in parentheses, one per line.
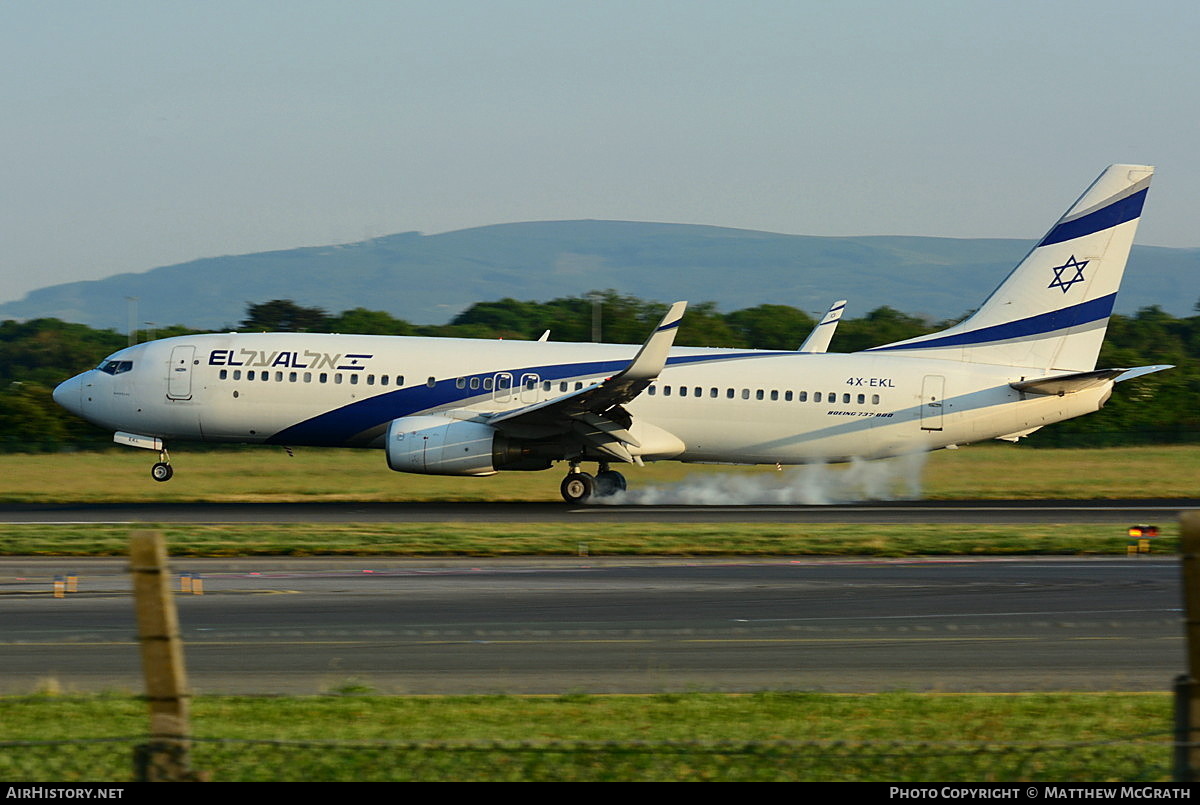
(774, 395)
(846, 397)
(683, 391)
(224, 374)
(758, 395)
(250, 374)
(729, 393)
(874, 399)
(652, 391)
(862, 398)
(745, 394)
(324, 377)
(353, 380)
(666, 391)
(292, 377)
(787, 396)
(802, 396)
(816, 396)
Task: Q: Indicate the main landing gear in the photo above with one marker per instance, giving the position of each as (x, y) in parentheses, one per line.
(579, 486)
(162, 470)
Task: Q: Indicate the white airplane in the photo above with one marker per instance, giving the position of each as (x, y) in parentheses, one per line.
(449, 406)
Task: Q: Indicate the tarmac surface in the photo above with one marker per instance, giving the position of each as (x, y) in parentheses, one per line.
(958, 511)
(552, 626)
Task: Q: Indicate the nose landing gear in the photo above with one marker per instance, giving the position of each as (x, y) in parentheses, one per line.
(162, 470)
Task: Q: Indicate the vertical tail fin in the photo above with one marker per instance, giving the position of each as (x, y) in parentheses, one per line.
(1052, 310)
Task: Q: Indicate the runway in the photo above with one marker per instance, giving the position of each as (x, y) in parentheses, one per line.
(959, 511)
(301, 626)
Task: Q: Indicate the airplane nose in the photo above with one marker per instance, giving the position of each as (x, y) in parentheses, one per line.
(69, 394)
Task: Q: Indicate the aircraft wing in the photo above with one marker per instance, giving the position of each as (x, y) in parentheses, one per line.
(1080, 381)
(595, 413)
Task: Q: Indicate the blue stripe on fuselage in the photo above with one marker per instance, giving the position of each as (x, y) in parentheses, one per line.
(338, 426)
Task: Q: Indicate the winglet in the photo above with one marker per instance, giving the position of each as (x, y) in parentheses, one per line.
(818, 340)
(652, 357)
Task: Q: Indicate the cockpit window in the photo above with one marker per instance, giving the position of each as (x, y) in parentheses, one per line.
(115, 367)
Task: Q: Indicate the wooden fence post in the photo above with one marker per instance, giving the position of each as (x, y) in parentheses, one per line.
(1187, 706)
(168, 756)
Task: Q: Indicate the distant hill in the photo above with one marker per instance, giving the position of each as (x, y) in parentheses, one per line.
(427, 279)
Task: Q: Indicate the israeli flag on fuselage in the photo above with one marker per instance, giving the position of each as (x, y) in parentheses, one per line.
(1051, 311)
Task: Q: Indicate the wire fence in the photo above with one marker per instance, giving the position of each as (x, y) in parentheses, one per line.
(1141, 758)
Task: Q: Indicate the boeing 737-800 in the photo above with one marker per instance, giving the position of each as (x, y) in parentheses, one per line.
(447, 406)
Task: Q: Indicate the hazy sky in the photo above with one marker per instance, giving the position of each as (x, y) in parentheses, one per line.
(140, 134)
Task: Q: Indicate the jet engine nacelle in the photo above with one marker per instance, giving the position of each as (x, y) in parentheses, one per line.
(438, 445)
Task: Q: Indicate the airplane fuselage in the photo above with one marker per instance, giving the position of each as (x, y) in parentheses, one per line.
(721, 405)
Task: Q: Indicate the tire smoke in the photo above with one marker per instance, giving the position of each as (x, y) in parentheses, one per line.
(812, 485)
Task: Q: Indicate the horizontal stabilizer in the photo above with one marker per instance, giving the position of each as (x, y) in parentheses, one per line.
(1081, 381)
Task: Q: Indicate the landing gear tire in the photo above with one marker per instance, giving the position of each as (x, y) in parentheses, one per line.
(609, 482)
(161, 471)
(577, 487)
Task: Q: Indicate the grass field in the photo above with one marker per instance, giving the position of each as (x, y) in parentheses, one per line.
(1048, 717)
(569, 539)
(269, 474)
(763, 736)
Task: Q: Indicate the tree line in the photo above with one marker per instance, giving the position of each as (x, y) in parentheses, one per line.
(1163, 407)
